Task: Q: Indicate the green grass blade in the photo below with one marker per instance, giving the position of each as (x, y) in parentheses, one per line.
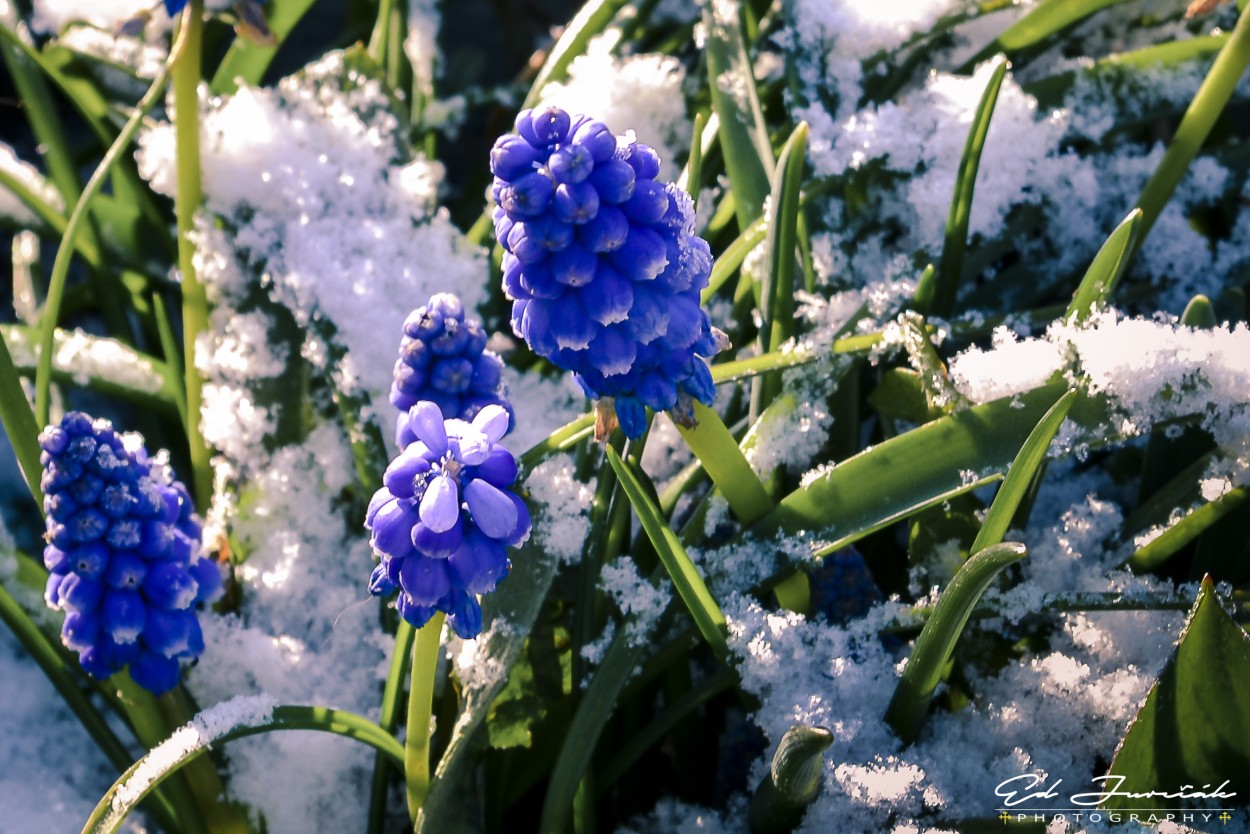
(589, 21)
(1046, 19)
(1021, 474)
(246, 61)
(911, 472)
(147, 383)
(686, 577)
(777, 293)
(388, 719)
(39, 107)
(937, 640)
(19, 423)
(1207, 105)
(664, 723)
(956, 237)
(703, 137)
(118, 801)
(733, 256)
(1104, 272)
(60, 266)
(584, 730)
(1194, 524)
(743, 134)
(728, 468)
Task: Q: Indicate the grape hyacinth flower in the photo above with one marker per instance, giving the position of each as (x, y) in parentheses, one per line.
(443, 359)
(603, 266)
(123, 553)
(445, 516)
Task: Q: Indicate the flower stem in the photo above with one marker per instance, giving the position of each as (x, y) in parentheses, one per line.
(186, 82)
(420, 707)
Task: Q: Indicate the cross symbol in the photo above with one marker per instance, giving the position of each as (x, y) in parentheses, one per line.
(1004, 816)
(1224, 818)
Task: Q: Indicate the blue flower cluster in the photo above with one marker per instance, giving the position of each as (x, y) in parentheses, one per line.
(603, 265)
(123, 552)
(172, 7)
(443, 359)
(445, 516)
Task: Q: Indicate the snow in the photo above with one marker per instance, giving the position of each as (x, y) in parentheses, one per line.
(11, 206)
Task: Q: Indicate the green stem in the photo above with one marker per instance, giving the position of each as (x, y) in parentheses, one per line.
(388, 719)
(1195, 126)
(64, 253)
(420, 707)
(186, 81)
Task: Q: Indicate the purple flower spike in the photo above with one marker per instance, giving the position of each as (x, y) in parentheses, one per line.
(442, 524)
(443, 359)
(123, 555)
(603, 267)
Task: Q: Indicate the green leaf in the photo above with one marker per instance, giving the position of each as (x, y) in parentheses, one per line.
(743, 134)
(1046, 19)
(1205, 108)
(1021, 474)
(1194, 728)
(590, 20)
(122, 798)
(19, 423)
(1105, 270)
(727, 466)
(936, 642)
(247, 61)
(907, 473)
(792, 782)
(956, 237)
(686, 577)
(777, 293)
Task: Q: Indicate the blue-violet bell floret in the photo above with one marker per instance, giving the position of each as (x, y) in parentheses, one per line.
(443, 359)
(603, 266)
(123, 553)
(445, 516)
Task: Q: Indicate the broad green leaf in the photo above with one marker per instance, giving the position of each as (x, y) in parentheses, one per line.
(686, 578)
(907, 473)
(743, 134)
(1021, 474)
(246, 61)
(1181, 533)
(1194, 728)
(1200, 313)
(955, 239)
(1104, 272)
(727, 466)
(937, 640)
(122, 797)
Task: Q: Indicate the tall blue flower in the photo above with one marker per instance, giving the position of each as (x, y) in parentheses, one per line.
(603, 265)
(123, 554)
(443, 359)
(445, 516)
(172, 7)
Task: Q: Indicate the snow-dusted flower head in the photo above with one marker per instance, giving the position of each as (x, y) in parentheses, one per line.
(123, 552)
(602, 264)
(445, 516)
(443, 359)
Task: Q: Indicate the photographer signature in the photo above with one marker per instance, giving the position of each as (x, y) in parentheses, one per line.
(1030, 786)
